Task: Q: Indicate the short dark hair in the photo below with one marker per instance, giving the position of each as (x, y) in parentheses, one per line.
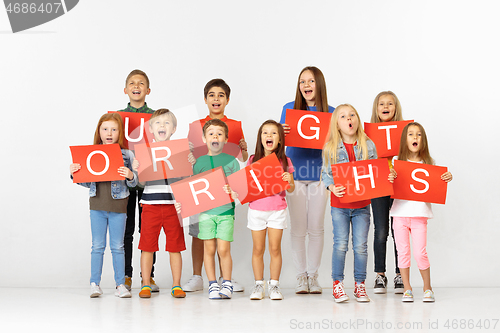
(137, 72)
(216, 122)
(217, 83)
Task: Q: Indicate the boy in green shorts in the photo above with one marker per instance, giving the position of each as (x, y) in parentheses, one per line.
(216, 225)
(137, 88)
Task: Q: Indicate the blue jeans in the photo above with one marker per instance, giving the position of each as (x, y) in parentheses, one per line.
(380, 209)
(342, 218)
(99, 223)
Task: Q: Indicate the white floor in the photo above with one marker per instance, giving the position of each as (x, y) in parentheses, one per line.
(72, 310)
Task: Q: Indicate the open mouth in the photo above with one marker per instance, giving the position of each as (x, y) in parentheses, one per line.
(162, 133)
(350, 125)
(136, 92)
(414, 144)
(215, 144)
(385, 112)
(269, 143)
(216, 105)
(307, 92)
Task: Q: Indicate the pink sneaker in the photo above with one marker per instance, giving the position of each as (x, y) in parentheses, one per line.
(339, 292)
(360, 292)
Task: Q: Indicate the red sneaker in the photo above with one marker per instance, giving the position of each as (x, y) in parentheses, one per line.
(339, 292)
(360, 292)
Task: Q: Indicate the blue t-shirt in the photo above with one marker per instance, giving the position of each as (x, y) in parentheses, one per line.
(306, 161)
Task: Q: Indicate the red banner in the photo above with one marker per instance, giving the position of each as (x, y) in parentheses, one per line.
(258, 180)
(201, 192)
(308, 129)
(386, 136)
(363, 179)
(136, 128)
(162, 160)
(419, 182)
(99, 163)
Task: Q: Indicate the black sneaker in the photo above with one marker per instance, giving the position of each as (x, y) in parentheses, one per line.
(399, 287)
(380, 284)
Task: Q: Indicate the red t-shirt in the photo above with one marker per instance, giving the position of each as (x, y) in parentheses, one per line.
(335, 201)
(232, 147)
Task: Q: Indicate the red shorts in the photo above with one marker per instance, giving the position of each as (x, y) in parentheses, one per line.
(154, 217)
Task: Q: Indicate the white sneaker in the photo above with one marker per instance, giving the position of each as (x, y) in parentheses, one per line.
(274, 291)
(429, 296)
(95, 290)
(226, 289)
(213, 291)
(258, 292)
(314, 287)
(122, 292)
(195, 283)
(302, 287)
(236, 286)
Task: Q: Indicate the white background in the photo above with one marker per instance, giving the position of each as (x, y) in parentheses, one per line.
(56, 80)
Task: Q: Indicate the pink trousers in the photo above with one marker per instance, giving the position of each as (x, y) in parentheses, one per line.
(417, 227)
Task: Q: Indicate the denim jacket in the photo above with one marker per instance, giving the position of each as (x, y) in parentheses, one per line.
(343, 157)
(119, 188)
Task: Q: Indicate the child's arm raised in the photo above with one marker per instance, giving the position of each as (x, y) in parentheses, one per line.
(244, 150)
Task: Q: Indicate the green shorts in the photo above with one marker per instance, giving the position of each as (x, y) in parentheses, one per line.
(216, 226)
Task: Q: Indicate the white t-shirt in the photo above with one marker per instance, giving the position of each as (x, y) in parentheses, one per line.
(407, 208)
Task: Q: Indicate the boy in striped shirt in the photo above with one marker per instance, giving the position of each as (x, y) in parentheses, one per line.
(158, 212)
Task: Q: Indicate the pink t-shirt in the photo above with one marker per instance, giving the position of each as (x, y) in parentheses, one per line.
(274, 202)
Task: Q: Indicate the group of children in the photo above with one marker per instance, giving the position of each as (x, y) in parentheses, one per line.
(212, 231)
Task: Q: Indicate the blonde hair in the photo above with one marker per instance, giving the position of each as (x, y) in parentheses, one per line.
(423, 153)
(334, 138)
(398, 114)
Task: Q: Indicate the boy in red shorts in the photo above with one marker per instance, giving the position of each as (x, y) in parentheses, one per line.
(158, 212)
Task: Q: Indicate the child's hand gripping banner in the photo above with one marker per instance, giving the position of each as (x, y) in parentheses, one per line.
(201, 192)
(162, 160)
(386, 136)
(419, 182)
(363, 179)
(99, 163)
(136, 128)
(258, 180)
(308, 129)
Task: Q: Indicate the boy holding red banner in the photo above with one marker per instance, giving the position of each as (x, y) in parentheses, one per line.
(216, 225)
(216, 95)
(347, 143)
(158, 211)
(136, 88)
(268, 215)
(410, 217)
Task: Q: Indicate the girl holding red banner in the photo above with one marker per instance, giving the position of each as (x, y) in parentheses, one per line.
(269, 214)
(347, 143)
(386, 107)
(308, 202)
(108, 207)
(410, 217)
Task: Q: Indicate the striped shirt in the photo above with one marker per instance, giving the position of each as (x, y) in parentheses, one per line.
(159, 192)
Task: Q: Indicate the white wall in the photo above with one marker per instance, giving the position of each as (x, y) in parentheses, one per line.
(440, 58)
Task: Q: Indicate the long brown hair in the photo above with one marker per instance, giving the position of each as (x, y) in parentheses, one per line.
(279, 151)
(423, 153)
(110, 117)
(320, 97)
